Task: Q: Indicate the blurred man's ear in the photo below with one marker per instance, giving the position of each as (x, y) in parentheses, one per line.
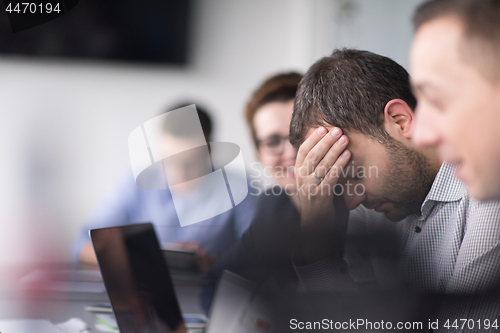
(398, 119)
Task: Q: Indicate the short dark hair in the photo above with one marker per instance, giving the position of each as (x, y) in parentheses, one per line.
(350, 90)
(481, 23)
(203, 115)
(280, 87)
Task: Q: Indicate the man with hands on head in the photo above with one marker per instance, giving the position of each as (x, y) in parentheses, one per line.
(326, 158)
(354, 113)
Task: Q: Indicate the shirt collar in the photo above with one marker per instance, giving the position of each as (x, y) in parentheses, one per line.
(446, 187)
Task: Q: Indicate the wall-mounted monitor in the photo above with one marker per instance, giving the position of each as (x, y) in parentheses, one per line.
(150, 31)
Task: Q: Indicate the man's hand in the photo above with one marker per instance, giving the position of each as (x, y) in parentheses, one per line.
(319, 165)
(87, 254)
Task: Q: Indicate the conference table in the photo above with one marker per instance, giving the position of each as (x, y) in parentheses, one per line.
(58, 292)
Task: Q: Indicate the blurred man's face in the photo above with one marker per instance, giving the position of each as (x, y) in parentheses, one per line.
(184, 168)
(458, 109)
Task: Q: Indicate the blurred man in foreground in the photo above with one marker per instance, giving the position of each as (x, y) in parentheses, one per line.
(455, 68)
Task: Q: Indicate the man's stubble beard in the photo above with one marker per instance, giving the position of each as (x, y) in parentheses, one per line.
(407, 179)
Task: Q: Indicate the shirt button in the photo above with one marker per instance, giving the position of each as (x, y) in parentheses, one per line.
(418, 229)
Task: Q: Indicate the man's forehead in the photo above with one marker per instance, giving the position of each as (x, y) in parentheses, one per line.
(435, 51)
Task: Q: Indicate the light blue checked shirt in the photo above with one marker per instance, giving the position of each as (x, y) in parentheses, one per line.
(452, 247)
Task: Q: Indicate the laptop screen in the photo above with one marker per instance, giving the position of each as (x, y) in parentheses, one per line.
(137, 279)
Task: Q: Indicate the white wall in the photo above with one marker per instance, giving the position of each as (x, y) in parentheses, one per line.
(64, 128)
(380, 26)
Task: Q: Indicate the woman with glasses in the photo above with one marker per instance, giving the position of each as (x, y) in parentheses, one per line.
(264, 251)
(268, 115)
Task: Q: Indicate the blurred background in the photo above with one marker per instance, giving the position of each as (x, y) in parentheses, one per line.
(66, 117)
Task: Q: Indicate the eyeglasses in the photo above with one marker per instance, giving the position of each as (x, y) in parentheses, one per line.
(274, 145)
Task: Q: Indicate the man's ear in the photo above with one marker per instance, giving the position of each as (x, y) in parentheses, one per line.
(398, 119)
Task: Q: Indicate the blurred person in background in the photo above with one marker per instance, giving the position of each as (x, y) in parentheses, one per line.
(455, 68)
(129, 203)
(263, 253)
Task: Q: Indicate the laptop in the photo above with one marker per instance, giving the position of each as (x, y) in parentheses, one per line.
(137, 279)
